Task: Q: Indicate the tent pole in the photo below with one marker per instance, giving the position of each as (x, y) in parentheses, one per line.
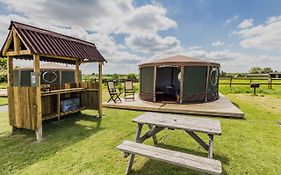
(154, 84)
(181, 84)
(207, 83)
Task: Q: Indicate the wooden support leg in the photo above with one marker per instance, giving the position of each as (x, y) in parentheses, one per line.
(132, 157)
(153, 137)
(198, 140)
(211, 140)
(39, 134)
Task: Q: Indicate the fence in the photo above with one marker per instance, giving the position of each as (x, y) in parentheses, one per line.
(248, 80)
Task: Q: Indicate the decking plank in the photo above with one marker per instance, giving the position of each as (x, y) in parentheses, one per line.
(202, 164)
(175, 121)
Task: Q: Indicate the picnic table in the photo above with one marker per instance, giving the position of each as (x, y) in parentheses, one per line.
(191, 125)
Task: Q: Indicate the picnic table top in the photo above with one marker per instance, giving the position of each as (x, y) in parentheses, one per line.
(175, 121)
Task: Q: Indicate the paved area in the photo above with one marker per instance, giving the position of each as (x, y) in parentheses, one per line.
(3, 92)
(220, 108)
(3, 108)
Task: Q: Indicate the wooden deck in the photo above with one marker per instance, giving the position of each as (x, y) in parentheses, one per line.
(220, 108)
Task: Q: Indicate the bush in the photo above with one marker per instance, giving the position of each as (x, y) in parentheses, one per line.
(3, 77)
(132, 77)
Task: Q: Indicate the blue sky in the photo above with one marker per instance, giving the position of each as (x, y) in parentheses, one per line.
(238, 34)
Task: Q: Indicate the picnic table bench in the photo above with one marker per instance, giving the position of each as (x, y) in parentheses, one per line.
(159, 121)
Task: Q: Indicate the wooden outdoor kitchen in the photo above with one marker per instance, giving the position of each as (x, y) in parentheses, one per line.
(29, 106)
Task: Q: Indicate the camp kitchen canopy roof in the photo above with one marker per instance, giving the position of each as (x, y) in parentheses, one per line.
(178, 60)
(50, 45)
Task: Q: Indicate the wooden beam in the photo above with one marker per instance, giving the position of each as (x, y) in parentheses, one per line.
(18, 53)
(198, 140)
(10, 71)
(38, 105)
(77, 74)
(207, 83)
(61, 57)
(100, 89)
(7, 44)
(16, 41)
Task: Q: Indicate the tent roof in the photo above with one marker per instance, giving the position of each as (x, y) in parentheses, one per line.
(178, 60)
(49, 43)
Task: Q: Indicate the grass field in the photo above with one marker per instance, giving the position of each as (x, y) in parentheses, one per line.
(86, 145)
(3, 101)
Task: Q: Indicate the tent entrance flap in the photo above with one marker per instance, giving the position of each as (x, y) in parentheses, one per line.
(167, 84)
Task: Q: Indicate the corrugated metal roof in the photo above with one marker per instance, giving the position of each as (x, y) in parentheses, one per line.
(178, 59)
(48, 43)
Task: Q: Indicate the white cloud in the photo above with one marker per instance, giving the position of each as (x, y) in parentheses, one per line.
(217, 44)
(194, 47)
(246, 23)
(232, 61)
(230, 20)
(153, 43)
(98, 22)
(265, 36)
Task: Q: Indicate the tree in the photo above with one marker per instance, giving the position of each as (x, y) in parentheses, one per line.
(267, 70)
(255, 70)
(115, 76)
(132, 77)
(3, 63)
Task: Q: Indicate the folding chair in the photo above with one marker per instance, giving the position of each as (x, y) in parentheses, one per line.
(114, 95)
(129, 92)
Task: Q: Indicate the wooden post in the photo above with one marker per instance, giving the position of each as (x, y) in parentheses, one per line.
(154, 83)
(100, 89)
(181, 84)
(38, 107)
(132, 157)
(230, 82)
(10, 66)
(207, 83)
(16, 41)
(211, 142)
(77, 74)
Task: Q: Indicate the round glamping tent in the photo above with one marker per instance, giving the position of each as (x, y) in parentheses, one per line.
(180, 79)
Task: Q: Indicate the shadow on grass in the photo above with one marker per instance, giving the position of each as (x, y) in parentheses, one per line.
(18, 150)
(156, 167)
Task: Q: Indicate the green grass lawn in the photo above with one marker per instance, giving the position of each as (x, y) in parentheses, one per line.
(86, 145)
(3, 101)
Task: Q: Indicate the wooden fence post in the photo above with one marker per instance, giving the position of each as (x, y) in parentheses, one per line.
(230, 82)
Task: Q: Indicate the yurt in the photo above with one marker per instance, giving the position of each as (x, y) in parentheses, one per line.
(179, 79)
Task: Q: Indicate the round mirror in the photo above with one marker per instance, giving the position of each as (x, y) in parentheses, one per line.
(49, 76)
(214, 76)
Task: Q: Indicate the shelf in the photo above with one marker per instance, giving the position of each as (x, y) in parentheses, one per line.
(47, 117)
(63, 91)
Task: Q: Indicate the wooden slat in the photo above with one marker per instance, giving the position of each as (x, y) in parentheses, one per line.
(63, 91)
(175, 121)
(22, 110)
(202, 164)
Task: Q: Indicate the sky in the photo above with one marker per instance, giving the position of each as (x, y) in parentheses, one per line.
(238, 34)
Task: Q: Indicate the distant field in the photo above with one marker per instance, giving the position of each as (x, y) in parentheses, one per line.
(3, 101)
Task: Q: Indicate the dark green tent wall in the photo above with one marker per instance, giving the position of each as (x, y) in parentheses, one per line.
(147, 83)
(199, 80)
